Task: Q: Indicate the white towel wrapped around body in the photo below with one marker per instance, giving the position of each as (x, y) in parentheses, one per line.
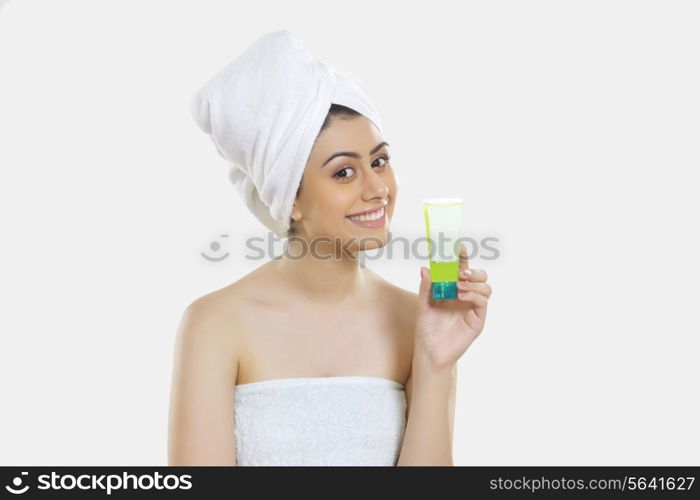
(319, 421)
(264, 111)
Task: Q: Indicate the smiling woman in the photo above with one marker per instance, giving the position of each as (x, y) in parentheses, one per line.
(335, 111)
(310, 359)
(348, 190)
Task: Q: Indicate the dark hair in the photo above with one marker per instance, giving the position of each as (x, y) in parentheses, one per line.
(335, 111)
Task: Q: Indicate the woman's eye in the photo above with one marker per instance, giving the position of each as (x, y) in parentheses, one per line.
(337, 174)
(385, 158)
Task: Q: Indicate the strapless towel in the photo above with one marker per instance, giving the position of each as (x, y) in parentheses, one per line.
(340, 420)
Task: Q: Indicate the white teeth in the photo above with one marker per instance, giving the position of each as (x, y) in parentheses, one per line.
(372, 216)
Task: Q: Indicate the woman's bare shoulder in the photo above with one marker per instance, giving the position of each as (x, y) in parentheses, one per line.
(402, 302)
(401, 306)
(241, 292)
(228, 309)
(395, 292)
(217, 305)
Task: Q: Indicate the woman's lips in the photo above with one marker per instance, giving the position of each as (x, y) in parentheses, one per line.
(370, 223)
(380, 222)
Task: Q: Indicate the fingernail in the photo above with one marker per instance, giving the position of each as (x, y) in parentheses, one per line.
(467, 273)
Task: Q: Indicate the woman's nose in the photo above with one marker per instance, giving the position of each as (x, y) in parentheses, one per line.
(375, 186)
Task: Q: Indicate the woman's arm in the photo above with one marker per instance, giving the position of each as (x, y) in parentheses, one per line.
(444, 330)
(430, 397)
(201, 427)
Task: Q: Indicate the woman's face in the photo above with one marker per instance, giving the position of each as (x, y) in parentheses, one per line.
(336, 185)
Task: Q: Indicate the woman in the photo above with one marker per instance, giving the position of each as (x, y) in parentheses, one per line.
(320, 361)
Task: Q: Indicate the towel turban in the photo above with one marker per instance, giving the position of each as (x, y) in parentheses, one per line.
(264, 110)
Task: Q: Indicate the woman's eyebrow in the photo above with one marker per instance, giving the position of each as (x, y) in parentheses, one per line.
(355, 155)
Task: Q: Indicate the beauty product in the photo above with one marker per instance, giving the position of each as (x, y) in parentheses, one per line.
(443, 219)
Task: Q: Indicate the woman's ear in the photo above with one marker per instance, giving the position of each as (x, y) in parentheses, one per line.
(296, 213)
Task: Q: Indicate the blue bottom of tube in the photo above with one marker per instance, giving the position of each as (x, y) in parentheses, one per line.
(444, 290)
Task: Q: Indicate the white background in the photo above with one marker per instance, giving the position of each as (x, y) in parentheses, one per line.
(569, 128)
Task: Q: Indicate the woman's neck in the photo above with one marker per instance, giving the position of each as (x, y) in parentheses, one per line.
(333, 277)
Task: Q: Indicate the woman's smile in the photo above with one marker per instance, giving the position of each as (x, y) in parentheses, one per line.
(374, 219)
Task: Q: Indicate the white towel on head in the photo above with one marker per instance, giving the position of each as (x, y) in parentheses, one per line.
(263, 112)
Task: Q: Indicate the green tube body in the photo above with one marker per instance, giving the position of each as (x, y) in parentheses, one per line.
(442, 227)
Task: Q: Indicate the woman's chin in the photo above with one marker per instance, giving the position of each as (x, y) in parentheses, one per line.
(369, 238)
